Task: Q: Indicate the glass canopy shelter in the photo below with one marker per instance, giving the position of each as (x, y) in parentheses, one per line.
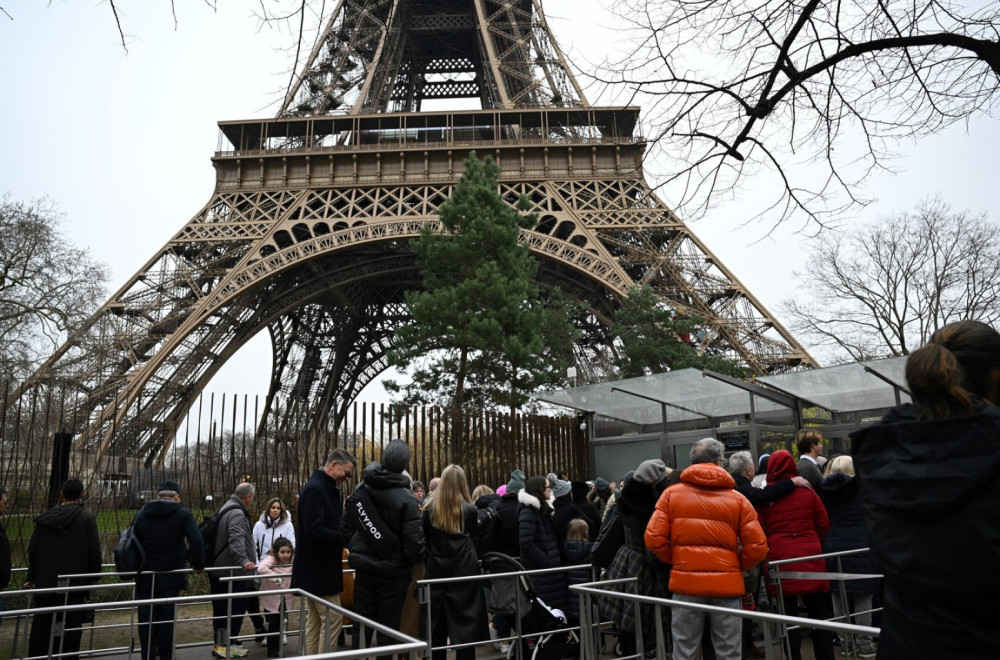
(631, 420)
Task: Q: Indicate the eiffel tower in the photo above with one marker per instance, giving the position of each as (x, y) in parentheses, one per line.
(307, 232)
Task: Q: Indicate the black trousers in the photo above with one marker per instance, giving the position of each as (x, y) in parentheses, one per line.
(220, 606)
(41, 626)
(818, 606)
(274, 630)
(156, 623)
(381, 599)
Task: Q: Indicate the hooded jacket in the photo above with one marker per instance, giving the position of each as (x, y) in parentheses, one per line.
(264, 535)
(796, 525)
(166, 530)
(65, 541)
(931, 494)
(540, 548)
(390, 492)
(707, 531)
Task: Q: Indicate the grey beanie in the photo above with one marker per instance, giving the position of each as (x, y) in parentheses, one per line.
(396, 456)
(601, 485)
(560, 487)
(651, 472)
(516, 482)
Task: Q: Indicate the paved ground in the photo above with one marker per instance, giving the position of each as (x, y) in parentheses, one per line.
(203, 652)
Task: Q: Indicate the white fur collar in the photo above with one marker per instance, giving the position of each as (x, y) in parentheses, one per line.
(526, 498)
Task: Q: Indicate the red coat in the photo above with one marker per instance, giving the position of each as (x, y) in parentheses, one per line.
(707, 531)
(795, 526)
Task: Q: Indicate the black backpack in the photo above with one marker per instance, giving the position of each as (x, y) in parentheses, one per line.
(209, 529)
(130, 556)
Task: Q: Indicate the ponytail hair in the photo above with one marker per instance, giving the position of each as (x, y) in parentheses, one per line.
(953, 369)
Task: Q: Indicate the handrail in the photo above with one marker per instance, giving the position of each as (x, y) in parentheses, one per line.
(827, 555)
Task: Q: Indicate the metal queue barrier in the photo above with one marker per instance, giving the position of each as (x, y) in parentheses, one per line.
(776, 575)
(590, 629)
(404, 644)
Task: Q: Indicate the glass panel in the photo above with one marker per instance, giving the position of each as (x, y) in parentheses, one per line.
(613, 459)
(772, 440)
(842, 388)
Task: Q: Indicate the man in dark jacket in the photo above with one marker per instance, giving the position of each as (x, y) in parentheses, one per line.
(381, 528)
(65, 541)
(166, 531)
(233, 547)
(317, 565)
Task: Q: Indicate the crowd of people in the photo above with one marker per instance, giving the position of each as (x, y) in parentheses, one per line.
(916, 482)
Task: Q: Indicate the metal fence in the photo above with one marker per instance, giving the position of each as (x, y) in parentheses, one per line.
(226, 439)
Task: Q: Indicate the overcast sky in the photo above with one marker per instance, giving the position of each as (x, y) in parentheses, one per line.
(121, 142)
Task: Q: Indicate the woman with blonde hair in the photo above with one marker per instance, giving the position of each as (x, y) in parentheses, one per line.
(451, 524)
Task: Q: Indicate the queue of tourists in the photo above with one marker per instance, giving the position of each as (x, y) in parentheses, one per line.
(920, 490)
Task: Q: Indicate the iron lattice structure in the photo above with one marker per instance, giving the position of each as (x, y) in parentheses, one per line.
(307, 233)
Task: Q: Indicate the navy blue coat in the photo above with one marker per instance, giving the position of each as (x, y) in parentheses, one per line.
(317, 565)
(842, 498)
(166, 530)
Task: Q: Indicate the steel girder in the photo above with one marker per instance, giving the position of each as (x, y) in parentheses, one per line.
(307, 233)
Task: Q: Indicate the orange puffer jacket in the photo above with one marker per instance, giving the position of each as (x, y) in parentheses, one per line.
(708, 532)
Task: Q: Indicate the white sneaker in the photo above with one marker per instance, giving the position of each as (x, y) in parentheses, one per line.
(504, 648)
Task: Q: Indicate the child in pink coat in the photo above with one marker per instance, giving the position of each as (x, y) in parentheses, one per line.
(278, 563)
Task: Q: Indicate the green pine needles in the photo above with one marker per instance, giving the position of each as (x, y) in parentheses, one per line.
(482, 333)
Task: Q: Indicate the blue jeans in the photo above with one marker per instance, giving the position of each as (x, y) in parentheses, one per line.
(687, 625)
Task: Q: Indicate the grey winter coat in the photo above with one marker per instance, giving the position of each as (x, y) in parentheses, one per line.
(234, 541)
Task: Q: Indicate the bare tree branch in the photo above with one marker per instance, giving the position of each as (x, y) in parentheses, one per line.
(883, 288)
(825, 86)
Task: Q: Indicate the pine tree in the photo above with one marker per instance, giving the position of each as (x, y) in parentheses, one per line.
(653, 339)
(481, 334)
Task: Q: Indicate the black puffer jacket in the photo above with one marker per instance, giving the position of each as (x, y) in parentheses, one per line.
(395, 504)
(507, 508)
(565, 510)
(540, 548)
(931, 490)
(842, 498)
(166, 530)
(65, 541)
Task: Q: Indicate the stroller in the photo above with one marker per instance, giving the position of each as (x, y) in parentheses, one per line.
(513, 597)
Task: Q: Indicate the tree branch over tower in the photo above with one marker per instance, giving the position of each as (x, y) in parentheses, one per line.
(815, 96)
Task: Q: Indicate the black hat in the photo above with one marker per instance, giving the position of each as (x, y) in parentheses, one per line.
(169, 485)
